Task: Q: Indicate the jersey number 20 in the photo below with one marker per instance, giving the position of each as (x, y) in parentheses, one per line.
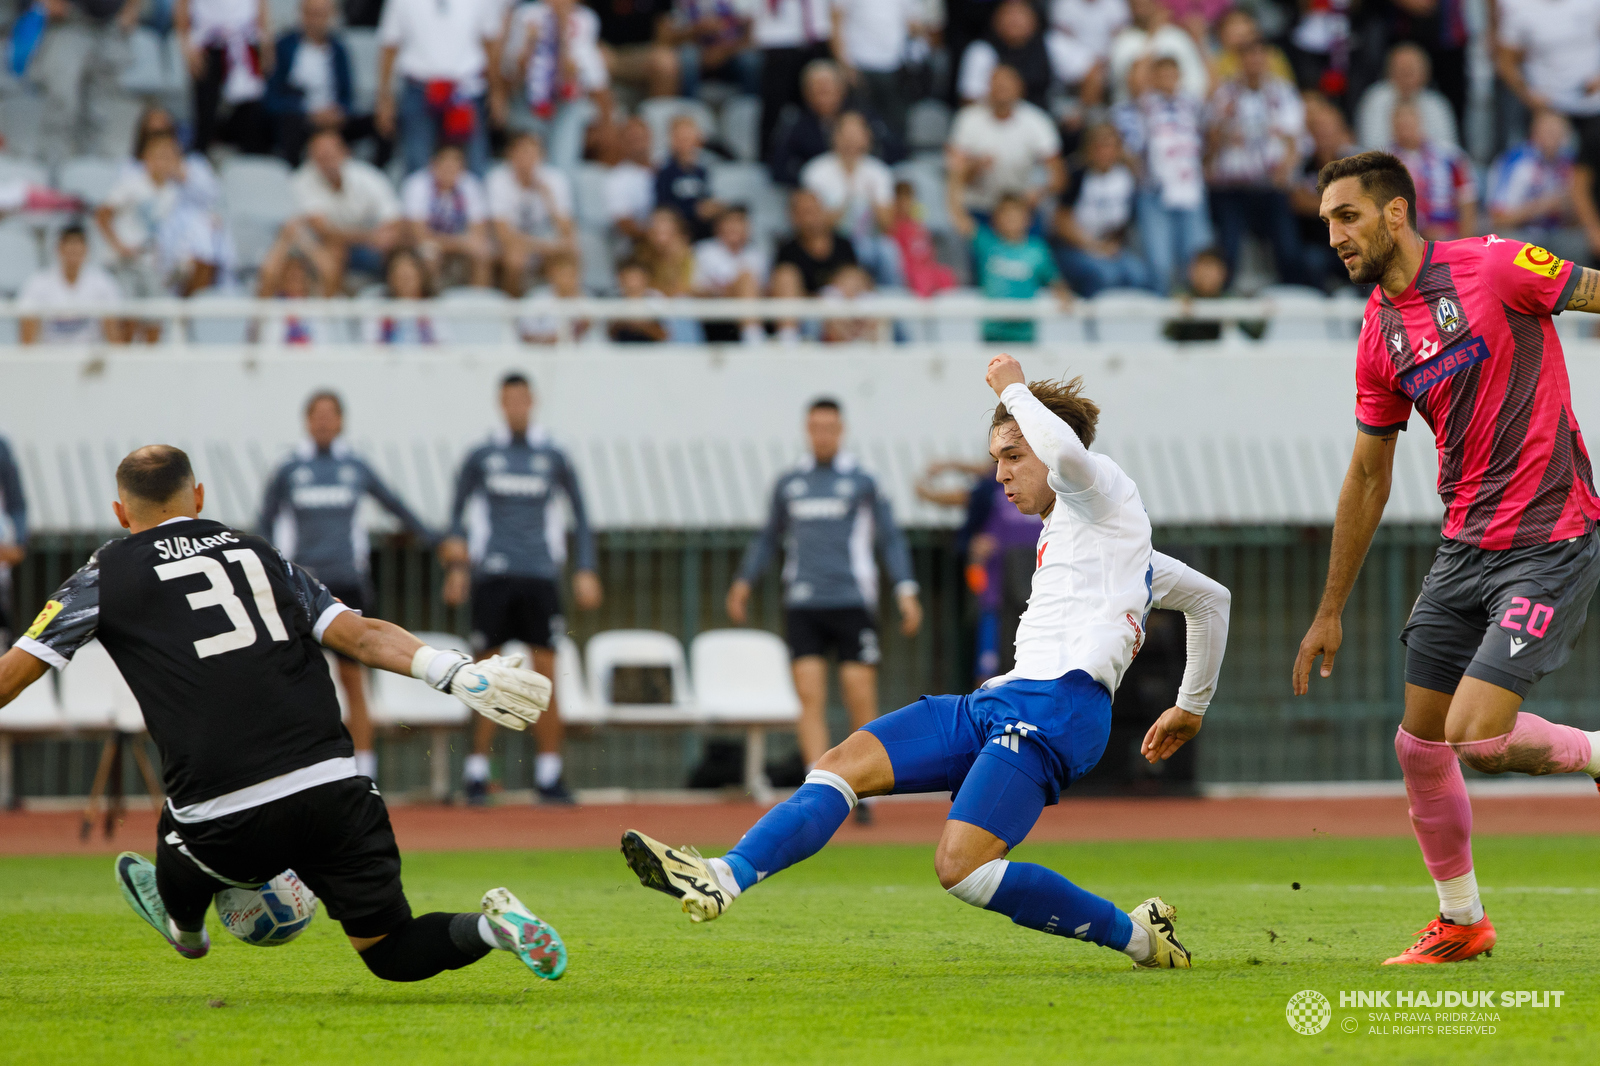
(220, 594)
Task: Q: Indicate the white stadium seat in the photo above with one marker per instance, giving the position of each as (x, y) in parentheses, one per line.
(741, 128)
(19, 258)
(927, 125)
(92, 689)
(576, 705)
(19, 118)
(406, 701)
(89, 178)
(743, 677)
(362, 44)
(14, 168)
(639, 647)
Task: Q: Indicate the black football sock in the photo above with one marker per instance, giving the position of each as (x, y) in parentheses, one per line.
(426, 945)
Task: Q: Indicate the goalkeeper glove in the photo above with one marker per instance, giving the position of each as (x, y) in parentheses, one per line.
(497, 688)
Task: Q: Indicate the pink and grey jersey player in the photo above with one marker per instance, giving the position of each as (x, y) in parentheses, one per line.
(1461, 331)
(1471, 345)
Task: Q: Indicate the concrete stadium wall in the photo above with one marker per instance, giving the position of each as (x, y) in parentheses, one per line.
(685, 438)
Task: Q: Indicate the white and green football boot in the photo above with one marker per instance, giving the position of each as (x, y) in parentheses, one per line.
(524, 934)
(136, 876)
(1155, 916)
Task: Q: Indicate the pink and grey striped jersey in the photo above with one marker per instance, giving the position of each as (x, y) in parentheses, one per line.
(1472, 346)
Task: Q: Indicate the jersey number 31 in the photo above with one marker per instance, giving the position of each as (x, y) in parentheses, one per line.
(220, 594)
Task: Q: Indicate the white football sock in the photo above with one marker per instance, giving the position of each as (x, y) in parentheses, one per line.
(1593, 769)
(1458, 899)
(476, 768)
(367, 764)
(486, 931)
(547, 769)
(188, 939)
(724, 874)
(1139, 947)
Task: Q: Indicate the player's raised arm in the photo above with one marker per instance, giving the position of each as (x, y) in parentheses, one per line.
(1052, 440)
(1361, 503)
(1205, 604)
(497, 688)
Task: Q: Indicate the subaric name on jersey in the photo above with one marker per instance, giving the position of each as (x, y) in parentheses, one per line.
(310, 497)
(818, 507)
(517, 484)
(183, 547)
(1419, 379)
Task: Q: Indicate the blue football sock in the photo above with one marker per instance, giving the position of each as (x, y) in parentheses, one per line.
(1042, 899)
(794, 830)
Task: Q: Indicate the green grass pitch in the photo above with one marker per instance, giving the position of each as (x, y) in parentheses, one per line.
(853, 957)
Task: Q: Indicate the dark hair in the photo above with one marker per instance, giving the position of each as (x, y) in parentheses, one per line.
(1065, 400)
(324, 394)
(327, 131)
(632, 263)
(72, 229)
(825, 403)
(733, 209)
(154, 473)
(1382, 177)
(1212, 252)
(150, 140)
(141, 134)
(524, 135)
(1163, 60)
(516, 377)
(416, 260)
(448, 146)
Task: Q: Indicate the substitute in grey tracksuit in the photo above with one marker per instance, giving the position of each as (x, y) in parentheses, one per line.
(831, 521)
(13, 534)
(312, 514)
(513, 496)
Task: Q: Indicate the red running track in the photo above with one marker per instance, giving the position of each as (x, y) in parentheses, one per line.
(431, 828)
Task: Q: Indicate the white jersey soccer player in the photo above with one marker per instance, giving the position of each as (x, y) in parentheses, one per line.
(1006, 750)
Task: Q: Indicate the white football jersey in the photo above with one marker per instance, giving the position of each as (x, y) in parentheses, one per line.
(1092, 589)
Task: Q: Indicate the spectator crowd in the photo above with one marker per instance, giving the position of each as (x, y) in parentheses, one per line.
(787, 148)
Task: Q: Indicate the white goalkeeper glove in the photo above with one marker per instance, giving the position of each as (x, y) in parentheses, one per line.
(497, 688)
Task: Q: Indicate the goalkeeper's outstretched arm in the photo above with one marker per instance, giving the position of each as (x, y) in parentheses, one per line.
(497, 688)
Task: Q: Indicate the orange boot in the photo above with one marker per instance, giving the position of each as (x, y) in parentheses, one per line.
(1444, 941)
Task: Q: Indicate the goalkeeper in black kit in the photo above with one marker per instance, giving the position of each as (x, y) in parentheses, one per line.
(220, 638)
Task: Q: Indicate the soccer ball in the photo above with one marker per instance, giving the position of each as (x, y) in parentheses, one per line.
(270, 914)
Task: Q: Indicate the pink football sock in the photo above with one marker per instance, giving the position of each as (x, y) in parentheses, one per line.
(1441, 814)
(1534, 746)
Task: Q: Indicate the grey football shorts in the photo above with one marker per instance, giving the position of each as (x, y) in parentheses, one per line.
(1508, 616)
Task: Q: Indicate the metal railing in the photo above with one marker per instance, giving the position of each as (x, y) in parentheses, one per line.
(918, 317)
(676, 581)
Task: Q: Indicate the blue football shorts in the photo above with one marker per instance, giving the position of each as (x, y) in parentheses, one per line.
(1005, 753)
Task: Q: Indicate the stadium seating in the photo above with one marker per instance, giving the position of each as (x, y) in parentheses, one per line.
(741, 128)
(623, 648)
(398, 701)
(34, 713)
(927, 125)
(362, 44)
(571, 687)
(257, 199)
(19, 256)
(88, 177)
(217, 330)
(658, 113)
(1139, 322)
(742, 678)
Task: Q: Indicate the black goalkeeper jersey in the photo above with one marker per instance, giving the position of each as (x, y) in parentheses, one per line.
(217, 634)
